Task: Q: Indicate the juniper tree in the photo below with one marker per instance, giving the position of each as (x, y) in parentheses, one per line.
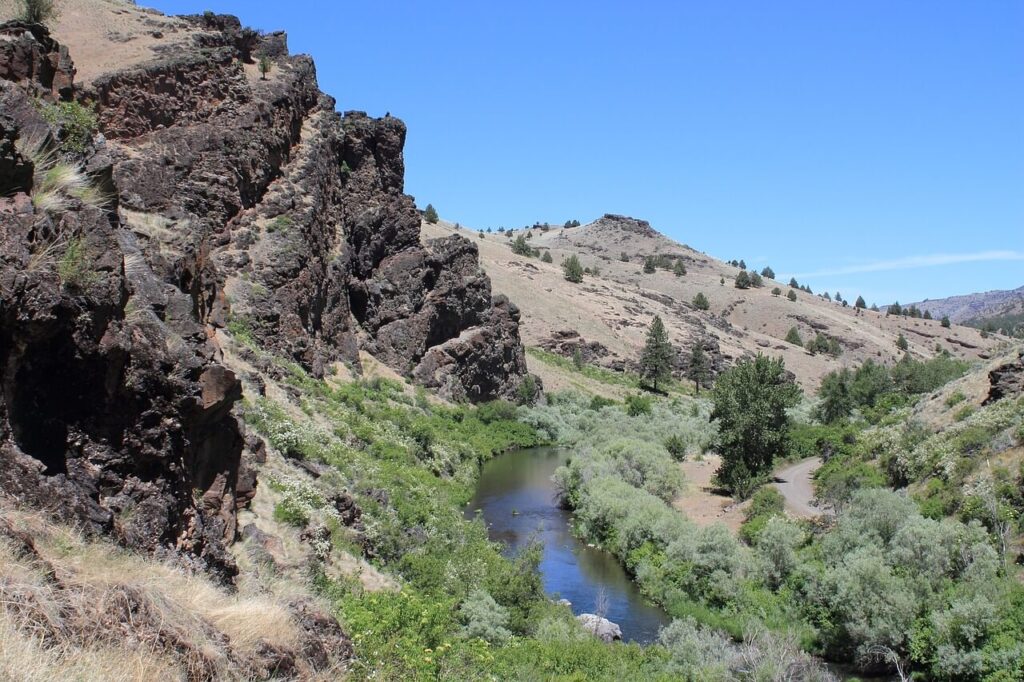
(649, 265)
(861, 303)
(430, 214)
(768, 272)
(791, 295)
(697, 372)
(742, 280)
(656, 358)
(776, 291)
(547, 257)
(679, 269)
(793, 337)
(901, 342)
(572, 269)
(700, 301)
(945, 321)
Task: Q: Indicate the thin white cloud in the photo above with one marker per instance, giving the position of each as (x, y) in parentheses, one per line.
(911, 262)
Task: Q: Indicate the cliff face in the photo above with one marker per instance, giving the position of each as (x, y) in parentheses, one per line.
(230, 201)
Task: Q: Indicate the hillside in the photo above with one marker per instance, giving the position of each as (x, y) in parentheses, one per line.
(614, 308)
(979, 306)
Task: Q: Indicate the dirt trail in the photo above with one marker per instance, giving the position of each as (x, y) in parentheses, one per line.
(795, 484)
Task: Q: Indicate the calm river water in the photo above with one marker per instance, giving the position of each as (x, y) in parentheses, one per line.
(520, 482)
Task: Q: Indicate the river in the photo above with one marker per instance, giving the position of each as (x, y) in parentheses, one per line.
(518, 501)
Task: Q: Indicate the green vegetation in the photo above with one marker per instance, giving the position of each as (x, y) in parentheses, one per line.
(768, 273)
(547, 257)
(264, 65)
(901, 342)
(75, 266)
(791, 295)
(599, 374)
(750, 403)
(700, 302)
(37, 11)
(698, 369)
(572, 269)
(657, 356)
(76, 124)
(679, 269)
(793, 337)
(521, 248)
(649, 267)
(430, 214)
(742, 280)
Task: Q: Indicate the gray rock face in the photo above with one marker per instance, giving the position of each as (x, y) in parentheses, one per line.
(602, 628)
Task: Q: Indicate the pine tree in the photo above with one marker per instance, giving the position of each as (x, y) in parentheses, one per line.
(741, 265)
(572, 269)
(742, 280)
(430, 214)
(901, 342)
(756, 280)
(679, 269)
(649, 265)
(700, 302)
(656, 358)
(521, 248)
(861, 303)
(791, 295)
(697, 372)
(945, 321)
(793, 337)
(793, 283)
(768, 272)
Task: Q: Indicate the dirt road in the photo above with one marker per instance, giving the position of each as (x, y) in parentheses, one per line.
(794, 482)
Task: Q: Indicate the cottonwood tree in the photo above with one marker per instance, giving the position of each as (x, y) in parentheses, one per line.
(656, 358)
(750, 403)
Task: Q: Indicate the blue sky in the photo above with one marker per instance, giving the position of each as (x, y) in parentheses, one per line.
(869, 147)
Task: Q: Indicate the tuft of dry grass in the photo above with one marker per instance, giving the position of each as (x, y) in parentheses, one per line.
(56, 182)
(68, 603)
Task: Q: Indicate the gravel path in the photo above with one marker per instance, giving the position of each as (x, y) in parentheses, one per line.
(794, 482)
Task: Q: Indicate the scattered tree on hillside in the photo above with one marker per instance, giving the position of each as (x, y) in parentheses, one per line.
(927, 315)
(577, 358)
(901, 342)
(430, 214)
(624, 257)
(546, 257)
(861, 303)
(700, 302)
(894, 309)
(776, 291)
(649, 266)
(768, 272)
(698, 370)
(750, 403)
(791, 295)
(264, 66)
(742, 280)
(836, 400)
(679, 269)
(741, 265)
(756, 280)
(793, 283)
(657, 355)
(571, 223)
(572, 269)
(793, 337)
(521, 248)
(945, 321)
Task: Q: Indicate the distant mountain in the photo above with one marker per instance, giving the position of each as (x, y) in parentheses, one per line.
(973, 307)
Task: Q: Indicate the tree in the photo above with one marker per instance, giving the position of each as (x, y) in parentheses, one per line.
(657, 355)
(901, 342)
(791, 295)
(37, 11)
(927, 315)
(521, 248)
(768, 272)
(793, 283)
(776, 291)
(265, 65)
(742, 265)
(895, 309)
(430, 214)
(700, 302)
(945, 321)
(546, 257)
(750, 403)
(679, 269)
(649, 265)
(572, 269)
(742, 280)
(836, 396)
(697, 372)
(756, 280)
(861, 303)
(793, 337)
(624, 257)
(577, 358)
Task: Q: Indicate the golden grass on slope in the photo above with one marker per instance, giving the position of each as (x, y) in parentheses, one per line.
(71, 604)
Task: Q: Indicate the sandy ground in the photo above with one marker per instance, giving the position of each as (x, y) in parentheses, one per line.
(796, 484)
(699, 500)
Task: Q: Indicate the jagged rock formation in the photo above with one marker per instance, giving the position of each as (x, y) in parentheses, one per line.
(1007, 379)
(231, 200)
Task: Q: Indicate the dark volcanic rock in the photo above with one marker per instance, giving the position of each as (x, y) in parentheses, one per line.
(566, 342)
(1006, 380)
(34, 60)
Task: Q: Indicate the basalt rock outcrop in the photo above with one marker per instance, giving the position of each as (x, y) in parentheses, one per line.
(230, 201)
(1006, 380)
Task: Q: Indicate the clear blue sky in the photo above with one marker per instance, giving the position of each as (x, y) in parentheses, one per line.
(873, 147)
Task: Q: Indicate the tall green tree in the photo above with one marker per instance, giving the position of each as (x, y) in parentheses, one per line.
(861, 303)
(430, 214)
(572, 269)
(649, 265)
(768, 272)
(656, 358)
(793, 337)
(945, 321)
(750, 403)
(901, 342)
(700, 301)
(742, 280)
(699, 368)
(679, 268)
(836, 396)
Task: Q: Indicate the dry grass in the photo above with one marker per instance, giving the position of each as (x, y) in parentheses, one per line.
(58, 183)
(86, 606)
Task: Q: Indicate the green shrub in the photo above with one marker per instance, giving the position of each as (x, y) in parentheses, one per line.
(76, 124)
(637, 405)
(430, 214)
(37, 11)
(484, 618)
(496, 410)
(572, 270)
(676, 446)
(955, 398)
(700, 302)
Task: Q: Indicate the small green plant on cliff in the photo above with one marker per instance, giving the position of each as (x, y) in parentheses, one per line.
(57, 183)
(73, 267)
(265, 65)
(430, 214)
(76, 124)
(572, 269)
(37, 11)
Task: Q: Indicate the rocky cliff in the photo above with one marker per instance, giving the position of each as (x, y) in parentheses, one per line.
(209, 197)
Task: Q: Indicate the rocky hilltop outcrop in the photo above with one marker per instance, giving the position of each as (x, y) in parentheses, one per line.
(209, 198)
